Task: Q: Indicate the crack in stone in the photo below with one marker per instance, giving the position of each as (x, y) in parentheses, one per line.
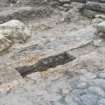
(46, 63)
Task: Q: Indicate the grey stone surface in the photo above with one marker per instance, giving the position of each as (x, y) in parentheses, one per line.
(89, 99)
(97, 91)
(101, 101)
(80, 82)
(61, 91)
(95, 6)
(25, 12)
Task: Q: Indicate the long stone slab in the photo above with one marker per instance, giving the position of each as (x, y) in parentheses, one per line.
(99, 7)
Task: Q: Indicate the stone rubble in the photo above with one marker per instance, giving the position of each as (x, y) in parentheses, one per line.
(92, 8)
(13, 31)
(101, 29)
(4, 43)
(66, 89)
(78, 82)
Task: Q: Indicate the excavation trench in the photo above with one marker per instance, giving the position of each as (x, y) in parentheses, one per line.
(46, 63)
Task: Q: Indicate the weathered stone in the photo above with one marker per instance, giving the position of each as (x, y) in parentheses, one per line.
(97, 91)
(70, 101)
(9, 79)
(70, 15)
(100, 7)
(100, 16)
(15, 30)
(88, 13)
(101, 1)
(93, 8)
(82, 85)
(90, 62)
(101, 101)
(88, 77)
(4, 43)
(101, 35)
(65, 84)
(8, 74)
(97, 20)
(97, 42)
(101, 75)
(81, 1)
(89, 99)
(101, 27)
(98, 82)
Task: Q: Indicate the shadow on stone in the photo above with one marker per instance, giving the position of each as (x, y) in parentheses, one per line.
(46, 63)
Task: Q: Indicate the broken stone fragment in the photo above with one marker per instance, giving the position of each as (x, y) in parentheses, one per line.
(15, 31)
(96, 21)
(93, 9)
(4, 43)
(101, 34)
(101, 27)
(9, 78)
(8, 74)
(88, 13)
(95, 6)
